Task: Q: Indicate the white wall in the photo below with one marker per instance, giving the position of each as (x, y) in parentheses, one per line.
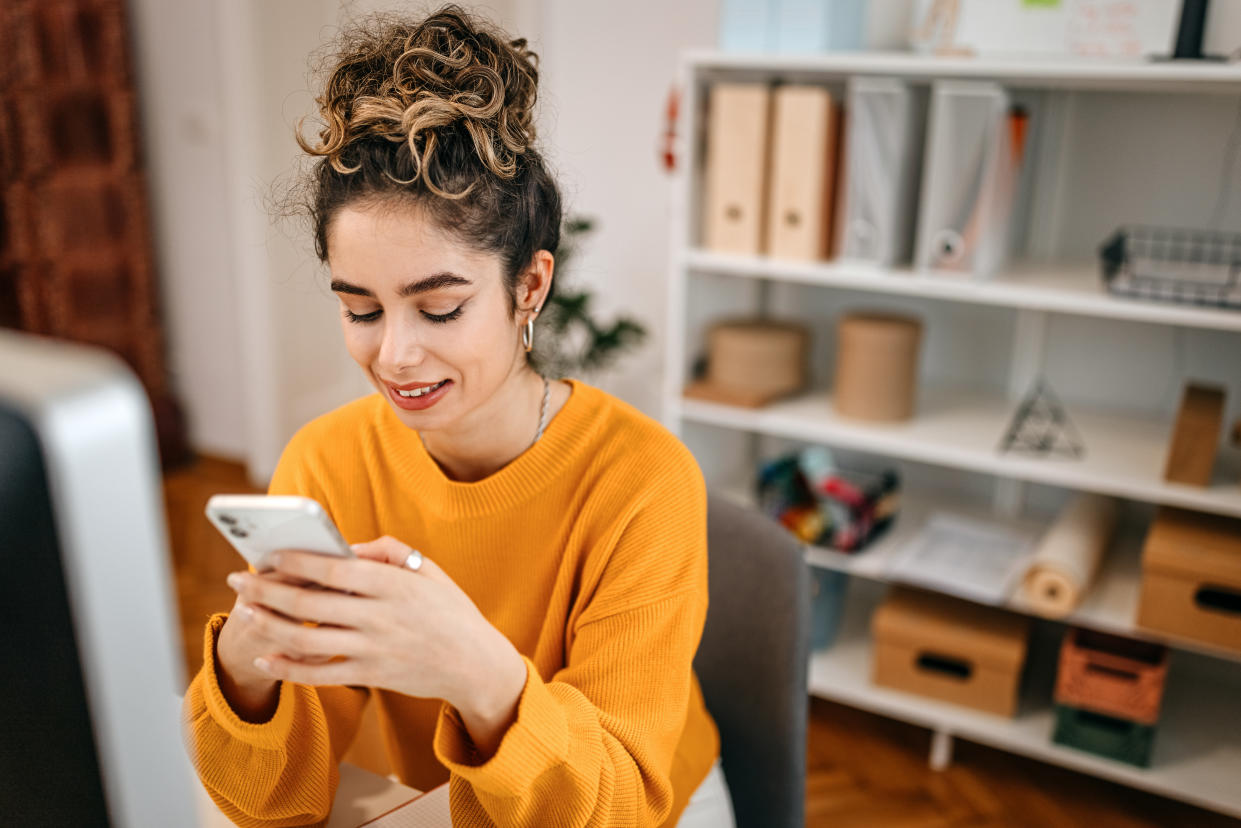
(180, 92)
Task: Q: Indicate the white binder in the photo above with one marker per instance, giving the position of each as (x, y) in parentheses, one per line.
(883, 123)
(970, 181)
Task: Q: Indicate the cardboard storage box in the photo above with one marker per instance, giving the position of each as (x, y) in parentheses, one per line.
(876, 366)
(751, 362)
(1112, 675)
(938, 646)
(1191, 577)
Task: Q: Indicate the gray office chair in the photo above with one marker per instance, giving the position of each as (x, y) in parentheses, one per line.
(752, 662)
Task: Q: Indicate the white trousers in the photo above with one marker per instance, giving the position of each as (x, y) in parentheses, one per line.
(710, 806)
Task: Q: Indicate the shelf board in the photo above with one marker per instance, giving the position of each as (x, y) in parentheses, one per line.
(1072, 289)
(1110, 605)
(1124, 454)
(1039, 72)
(1197, 752)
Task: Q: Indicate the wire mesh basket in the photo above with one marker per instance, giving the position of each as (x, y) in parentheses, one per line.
(1190, 266)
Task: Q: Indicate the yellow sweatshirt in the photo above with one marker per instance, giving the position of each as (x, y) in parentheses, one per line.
(589, 551)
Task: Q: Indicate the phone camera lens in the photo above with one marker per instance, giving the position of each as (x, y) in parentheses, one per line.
(228, 520)
(238, 533)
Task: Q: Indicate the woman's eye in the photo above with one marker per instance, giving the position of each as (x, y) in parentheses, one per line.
(444, 317)
(362, 317)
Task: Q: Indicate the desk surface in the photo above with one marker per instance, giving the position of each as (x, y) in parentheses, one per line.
(363, 798)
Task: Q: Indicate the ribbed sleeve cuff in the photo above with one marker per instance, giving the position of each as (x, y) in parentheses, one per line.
(272, 734)
(537, 740)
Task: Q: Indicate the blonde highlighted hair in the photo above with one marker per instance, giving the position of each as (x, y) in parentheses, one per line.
(437, 113)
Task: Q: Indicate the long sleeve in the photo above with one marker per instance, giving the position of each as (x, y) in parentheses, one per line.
(285, 771)
(593, 744)
(281, 772)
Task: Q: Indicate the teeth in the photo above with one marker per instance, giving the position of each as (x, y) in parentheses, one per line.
(418, 392)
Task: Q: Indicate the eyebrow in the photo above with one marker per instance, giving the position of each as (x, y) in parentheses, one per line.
(433, 282)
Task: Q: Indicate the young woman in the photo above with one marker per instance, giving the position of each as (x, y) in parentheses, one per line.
(531, 579)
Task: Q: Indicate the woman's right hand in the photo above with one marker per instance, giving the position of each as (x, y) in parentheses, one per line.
(251, 693)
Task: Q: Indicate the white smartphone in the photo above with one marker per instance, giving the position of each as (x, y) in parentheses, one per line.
(258, 525)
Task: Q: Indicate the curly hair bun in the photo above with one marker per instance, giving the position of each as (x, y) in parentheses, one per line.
(447, 80)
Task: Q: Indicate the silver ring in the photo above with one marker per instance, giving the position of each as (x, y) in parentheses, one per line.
(413, 561)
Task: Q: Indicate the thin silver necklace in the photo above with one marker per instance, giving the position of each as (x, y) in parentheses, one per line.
(543, 410)
(547, 389)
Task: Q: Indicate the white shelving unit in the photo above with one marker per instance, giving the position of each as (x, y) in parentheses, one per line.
(1197, 749)
(957, 428)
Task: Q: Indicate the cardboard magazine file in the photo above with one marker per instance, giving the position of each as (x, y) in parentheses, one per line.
(737, 151)
(1195, 437)
(1191, 577)
(803, 174)
(949, 649)
(1112, 675)
(751, 362)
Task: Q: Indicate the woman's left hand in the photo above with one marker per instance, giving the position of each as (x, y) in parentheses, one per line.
(415, 633)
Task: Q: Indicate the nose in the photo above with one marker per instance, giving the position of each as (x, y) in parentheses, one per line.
(399, 349)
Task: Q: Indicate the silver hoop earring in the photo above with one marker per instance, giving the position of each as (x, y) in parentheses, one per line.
(527, 335)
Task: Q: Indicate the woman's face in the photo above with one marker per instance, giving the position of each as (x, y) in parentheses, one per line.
(419, 310)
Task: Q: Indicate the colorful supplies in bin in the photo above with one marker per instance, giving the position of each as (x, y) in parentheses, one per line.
(825, 505)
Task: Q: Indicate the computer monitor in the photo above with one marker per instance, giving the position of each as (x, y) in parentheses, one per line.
(89, 663)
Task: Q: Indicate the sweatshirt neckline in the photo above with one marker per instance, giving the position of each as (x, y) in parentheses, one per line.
(564, 438)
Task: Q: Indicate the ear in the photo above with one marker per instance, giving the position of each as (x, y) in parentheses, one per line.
(536, 282)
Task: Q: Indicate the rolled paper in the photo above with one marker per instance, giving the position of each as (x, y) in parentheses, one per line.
(1068, 557)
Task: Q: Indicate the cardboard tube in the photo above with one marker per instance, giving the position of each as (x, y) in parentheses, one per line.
(1068, 556)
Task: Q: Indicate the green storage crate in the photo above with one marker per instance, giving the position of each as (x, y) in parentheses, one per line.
(1119, 739)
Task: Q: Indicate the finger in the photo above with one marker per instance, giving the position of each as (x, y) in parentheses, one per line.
(430, 569)
(392, 551)
(387, 550)
(292, 638)
(241, 615)
(359, 576)
(346, 671)
(288, 579)
(301, 603)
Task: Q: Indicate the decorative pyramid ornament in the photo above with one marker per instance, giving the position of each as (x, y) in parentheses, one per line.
(1041, 426)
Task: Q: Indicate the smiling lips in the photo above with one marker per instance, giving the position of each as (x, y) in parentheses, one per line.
(417, 389)
(416, 396)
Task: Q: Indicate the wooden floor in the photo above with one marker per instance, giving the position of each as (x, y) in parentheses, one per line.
(863, 770)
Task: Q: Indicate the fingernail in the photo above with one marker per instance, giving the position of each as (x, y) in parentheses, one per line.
(275, 559)
(235, 580)
(263, 664)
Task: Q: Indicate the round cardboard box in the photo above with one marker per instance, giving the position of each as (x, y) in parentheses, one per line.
(763, 355)
(876, 366)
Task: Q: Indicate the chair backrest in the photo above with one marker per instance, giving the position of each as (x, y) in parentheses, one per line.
(752, 662)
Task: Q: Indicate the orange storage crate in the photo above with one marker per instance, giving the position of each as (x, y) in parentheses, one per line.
(1108, 674)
